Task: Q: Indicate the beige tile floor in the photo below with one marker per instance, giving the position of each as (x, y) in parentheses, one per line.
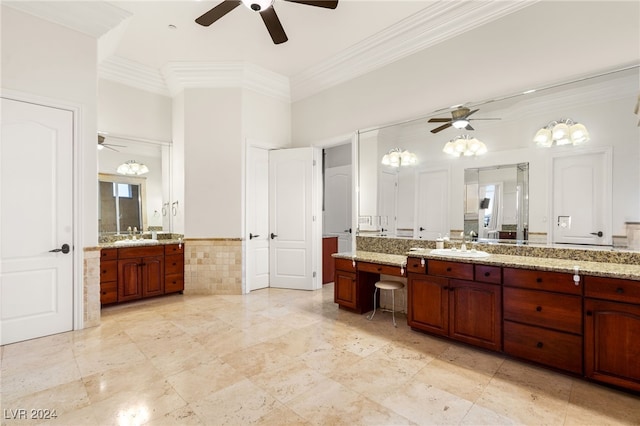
(283, 357)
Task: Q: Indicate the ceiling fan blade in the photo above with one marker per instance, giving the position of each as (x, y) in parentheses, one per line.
(112, 149)
(327, 4)
(439, 120)
(476, 119)
(218, 12)
(439, 129)
(469, 127)
(272, 22)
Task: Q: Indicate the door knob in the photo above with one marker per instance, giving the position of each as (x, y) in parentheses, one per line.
(273, 235)
(599, 233)
(64, 249)
(251, 236)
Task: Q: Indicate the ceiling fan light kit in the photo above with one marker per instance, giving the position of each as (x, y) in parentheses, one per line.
(561, 132)
(267, 13)
(459, 119)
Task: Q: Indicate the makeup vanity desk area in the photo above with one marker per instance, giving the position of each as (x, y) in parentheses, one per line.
(531, 308)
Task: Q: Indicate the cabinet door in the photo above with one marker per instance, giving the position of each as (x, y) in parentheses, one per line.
(428, 304)
(129, 279)
(345, 290)
(612, 343)
(152, 276)
(475, 313)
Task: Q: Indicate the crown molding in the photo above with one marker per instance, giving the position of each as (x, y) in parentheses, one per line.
(432, 25)
(93, 18)
(184, 75)
(133, 74)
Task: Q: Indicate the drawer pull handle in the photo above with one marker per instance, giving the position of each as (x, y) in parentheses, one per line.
(379, 269)
(448, 269)
(486, 274)
(539, 308)
(539, 345)
(589, 313)
(619, 290)
(538, 280)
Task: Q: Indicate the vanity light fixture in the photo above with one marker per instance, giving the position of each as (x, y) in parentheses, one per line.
(132, 168)
(465, 145)
(561, 132)
(397, 157)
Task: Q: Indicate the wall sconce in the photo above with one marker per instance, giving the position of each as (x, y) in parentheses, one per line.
(132, 167)
(562, 132)
(396, 157)
(465, 145)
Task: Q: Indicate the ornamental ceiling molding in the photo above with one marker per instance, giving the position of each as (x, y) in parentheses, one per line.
(134, 74)
(184, 75)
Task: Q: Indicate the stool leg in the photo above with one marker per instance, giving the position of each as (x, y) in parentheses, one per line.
(370, 317)
(393, 307)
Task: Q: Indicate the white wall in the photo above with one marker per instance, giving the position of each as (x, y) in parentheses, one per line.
(128, 111)
(508, 55)
(44, 59)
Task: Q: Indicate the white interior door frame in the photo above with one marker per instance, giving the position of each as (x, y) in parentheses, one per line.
(607, 152)
(77, 192)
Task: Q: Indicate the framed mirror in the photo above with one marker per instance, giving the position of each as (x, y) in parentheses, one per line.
(149, 198)
(496, 202)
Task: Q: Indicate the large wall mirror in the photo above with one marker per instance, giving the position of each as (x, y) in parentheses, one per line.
(126, 201)
(432, 198)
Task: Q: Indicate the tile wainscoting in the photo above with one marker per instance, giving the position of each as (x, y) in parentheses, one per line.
(213, 266)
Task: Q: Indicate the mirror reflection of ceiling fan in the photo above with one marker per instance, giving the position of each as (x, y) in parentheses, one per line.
(102, 144)
(459, 119)
(267, 13)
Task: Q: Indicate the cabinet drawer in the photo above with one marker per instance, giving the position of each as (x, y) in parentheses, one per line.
(108, 292)
(174, 283)
(173, 249)
(416, 265)
(345, 265)
(108, 270)
(380, 269)
(130, 252)
(109, 254)
(612, 289)
(553, 348)
(557, 311)
(488, 274)
(174, 264)
(541, 280)
(444, 268)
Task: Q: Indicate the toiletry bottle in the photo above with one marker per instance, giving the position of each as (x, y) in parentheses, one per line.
(439, 242)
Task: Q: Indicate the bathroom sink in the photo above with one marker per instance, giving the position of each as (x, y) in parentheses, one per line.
(459, 253)
(141, 242)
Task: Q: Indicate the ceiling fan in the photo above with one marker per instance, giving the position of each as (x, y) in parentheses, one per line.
(267, 13)
(102, 144)
(459, 119)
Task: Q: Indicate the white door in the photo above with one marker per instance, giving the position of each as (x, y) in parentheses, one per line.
(581, 209)
(387, 202)
(291, 217)
(432, 204)
(337, 205)
(257, 220)
(36, 205)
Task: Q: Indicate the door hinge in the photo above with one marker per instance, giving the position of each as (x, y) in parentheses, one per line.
(313, 218)
(314, 162)
(314, 274)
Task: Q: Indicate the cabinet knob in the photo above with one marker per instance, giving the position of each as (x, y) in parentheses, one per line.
(539, 345)
(539, 308)
(589, 313)
(448, 269)
(486, 274)
(538, 280)
(619, 290)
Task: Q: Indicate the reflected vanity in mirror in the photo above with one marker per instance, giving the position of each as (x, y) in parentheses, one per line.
(496, 202)
(133, 201)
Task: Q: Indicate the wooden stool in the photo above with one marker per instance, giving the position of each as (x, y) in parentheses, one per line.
(387, 285)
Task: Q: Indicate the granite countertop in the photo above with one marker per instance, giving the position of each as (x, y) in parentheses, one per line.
(142, 243)
(601, 269)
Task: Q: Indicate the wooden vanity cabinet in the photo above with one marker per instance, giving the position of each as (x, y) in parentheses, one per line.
(345, 292)
(108, 276)
(543, 318)
(174, 268)
(140, 272)
(448, 300)
(612, 331)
